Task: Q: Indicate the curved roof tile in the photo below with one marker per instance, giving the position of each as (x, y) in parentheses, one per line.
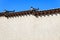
(31, 12)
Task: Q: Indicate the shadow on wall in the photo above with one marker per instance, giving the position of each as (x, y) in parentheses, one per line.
(30, 28)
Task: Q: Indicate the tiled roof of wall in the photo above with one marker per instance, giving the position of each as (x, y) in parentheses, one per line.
(36, 13)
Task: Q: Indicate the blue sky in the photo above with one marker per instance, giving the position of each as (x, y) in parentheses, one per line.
(20, 5)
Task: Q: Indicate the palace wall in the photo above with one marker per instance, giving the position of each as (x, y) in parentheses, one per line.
(30, 28)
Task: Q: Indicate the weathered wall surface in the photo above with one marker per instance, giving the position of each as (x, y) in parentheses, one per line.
(30, 28)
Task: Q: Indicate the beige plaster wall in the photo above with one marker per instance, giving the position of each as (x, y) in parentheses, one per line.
(30, 28)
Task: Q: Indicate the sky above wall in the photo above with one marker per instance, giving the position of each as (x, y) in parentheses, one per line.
(20, 5)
